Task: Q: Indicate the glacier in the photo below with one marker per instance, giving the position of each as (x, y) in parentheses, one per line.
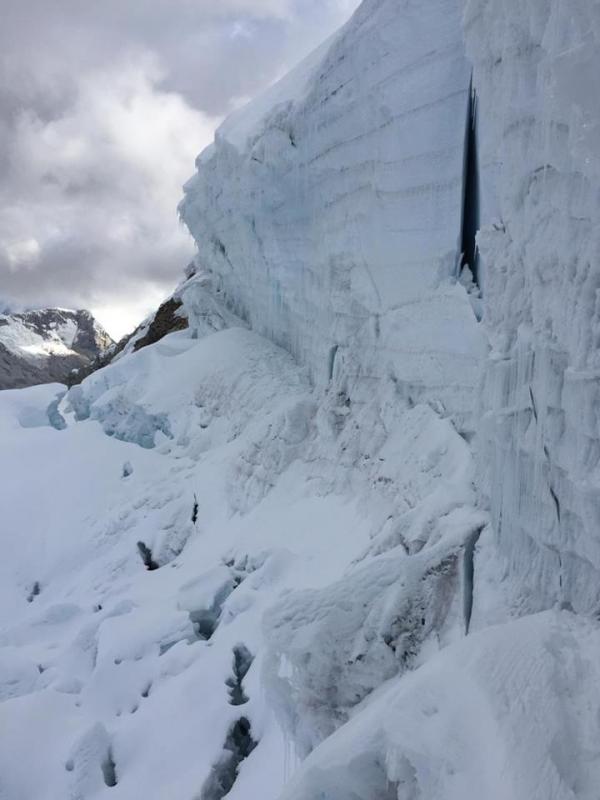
(325, 526)
(331, 212)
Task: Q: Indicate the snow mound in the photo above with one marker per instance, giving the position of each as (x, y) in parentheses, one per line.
(507, 714)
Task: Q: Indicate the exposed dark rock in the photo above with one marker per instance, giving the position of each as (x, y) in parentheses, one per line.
(165, 321)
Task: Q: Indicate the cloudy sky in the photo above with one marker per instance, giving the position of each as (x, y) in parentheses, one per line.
(104, 105)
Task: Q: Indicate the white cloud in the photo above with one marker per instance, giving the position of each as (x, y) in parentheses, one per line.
(99, 187)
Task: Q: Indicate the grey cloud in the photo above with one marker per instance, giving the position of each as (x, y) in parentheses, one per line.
(103, 107)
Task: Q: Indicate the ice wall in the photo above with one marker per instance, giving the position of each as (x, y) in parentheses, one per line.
(330, 214)
(330, 209)
(535, 74)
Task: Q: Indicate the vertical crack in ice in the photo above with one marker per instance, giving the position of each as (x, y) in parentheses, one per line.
(205, 622)
(109, 769)
(146, 556)
(556, 502)
(470, 211)
(332, 355)
(206, 619)
(533, 405)
(242, 661)
(55, 418)
(238, 746)
(468, 576)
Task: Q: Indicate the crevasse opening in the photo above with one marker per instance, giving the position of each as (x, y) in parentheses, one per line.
(470, 210)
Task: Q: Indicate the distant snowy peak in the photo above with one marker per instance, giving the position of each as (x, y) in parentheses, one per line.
(45, 345)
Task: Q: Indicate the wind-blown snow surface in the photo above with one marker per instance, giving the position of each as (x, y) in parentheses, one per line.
(243, 560)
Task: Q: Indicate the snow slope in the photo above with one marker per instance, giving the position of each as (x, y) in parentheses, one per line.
(312, 592)
(244, 484)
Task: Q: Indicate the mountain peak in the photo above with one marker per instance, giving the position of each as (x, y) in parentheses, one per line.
(44, 345)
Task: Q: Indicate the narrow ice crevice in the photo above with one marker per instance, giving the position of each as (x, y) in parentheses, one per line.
(556, 502)
(146, 556)
(468, 576)
(109, 770)
(470, 210)
(331, 365)
(238, 746)
(205, 622)
(55, 418)
(242, 661)
(206, 619)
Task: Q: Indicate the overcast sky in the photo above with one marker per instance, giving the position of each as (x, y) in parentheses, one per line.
(104, 105)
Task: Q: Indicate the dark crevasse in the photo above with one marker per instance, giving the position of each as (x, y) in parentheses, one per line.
(470, 210)
(238, 746)
(109, 769)
(242, 661)
(468, 576)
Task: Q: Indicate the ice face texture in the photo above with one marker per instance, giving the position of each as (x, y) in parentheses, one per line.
(540, 442)
(330, 209)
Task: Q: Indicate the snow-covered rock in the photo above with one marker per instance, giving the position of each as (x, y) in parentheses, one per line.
(44, 346)
(195, 304)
